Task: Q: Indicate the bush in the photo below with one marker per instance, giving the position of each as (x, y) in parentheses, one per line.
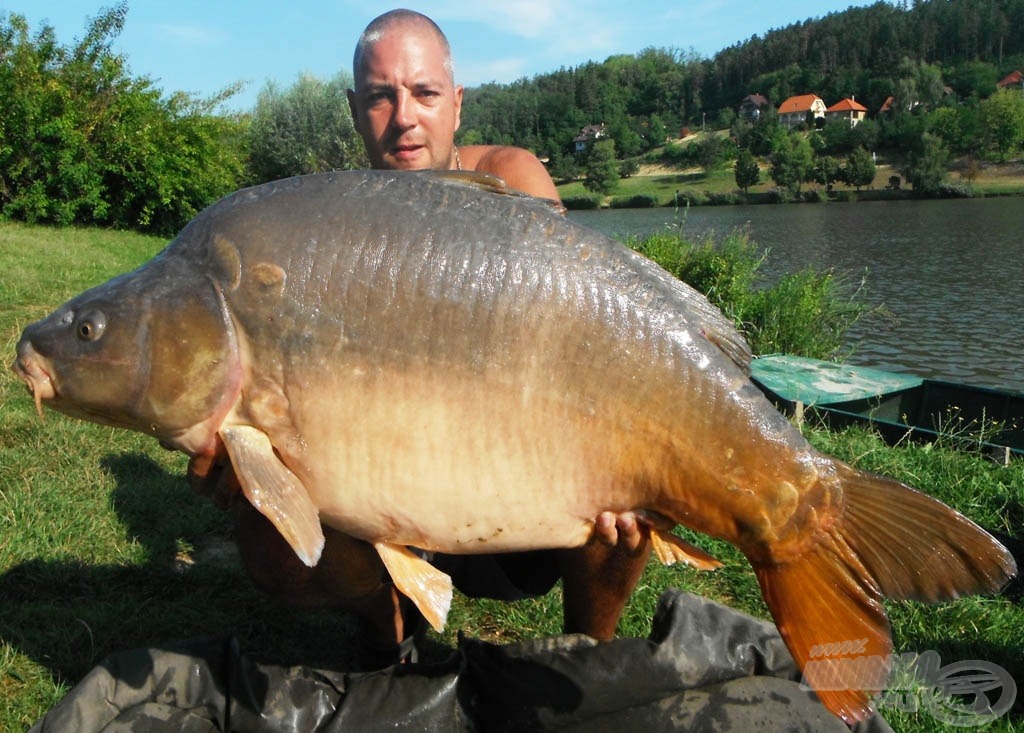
(306, 128)
(807, 313)
(954, 191)
(82, 142)
(722, 198)
(638, 201)
(629, 167)
(582, 203)
(689, 198)
(780, 196)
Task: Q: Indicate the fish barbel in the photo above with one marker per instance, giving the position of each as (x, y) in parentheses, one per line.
(419, 360)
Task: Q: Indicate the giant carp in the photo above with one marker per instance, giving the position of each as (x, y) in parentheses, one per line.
(420, 360)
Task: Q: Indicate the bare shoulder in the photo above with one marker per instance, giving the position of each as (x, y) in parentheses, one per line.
(519, 168)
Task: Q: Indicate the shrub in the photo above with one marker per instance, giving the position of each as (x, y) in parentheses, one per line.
(779, 196)
(582, 203)
(83, 142)
(807, 313)
(722, 198)
(953, 191)
(689, 198)
(638, 201)
(306, 128)
(814, 196)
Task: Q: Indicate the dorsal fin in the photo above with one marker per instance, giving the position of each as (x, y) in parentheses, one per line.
(490, 183)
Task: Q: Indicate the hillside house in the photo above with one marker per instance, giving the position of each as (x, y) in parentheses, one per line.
(752, 107)
(588, 135)
(1013, 80)
(795, 110)
(847, 109)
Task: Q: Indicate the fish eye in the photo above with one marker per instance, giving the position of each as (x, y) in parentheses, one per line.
(91, 326)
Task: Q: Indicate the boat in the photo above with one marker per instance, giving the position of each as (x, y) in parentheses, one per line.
(898, 406)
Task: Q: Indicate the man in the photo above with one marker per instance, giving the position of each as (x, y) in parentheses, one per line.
(406, 107)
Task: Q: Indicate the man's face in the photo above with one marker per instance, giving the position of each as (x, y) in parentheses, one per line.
(405, 105)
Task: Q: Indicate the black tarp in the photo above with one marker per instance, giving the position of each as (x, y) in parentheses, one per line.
(704, 667)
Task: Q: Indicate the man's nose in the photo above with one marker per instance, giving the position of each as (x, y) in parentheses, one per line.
(404, 115)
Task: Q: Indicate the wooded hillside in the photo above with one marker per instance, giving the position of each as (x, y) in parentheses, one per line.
(912, 51)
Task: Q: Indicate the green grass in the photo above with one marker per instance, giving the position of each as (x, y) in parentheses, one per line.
(103, 547)
(663, 188)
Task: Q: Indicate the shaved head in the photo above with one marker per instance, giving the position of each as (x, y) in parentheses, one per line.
(400, 19)
(405, 104)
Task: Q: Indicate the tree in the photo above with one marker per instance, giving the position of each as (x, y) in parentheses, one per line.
(711, 150)
(83, 142)
(1002, 120)
(747, 171)
(827, 170)
(792, 162)
(945, 122)
(601, 169)
(656, 131)
(306, 128)
(975, 78)
(918, 83)
(762, 137)
(629, 167)
(860, 168)
(564, 167)
(925, 167)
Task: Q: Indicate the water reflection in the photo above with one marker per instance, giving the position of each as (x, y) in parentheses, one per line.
(949, 270)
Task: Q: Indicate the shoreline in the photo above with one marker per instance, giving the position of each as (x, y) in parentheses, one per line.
(659, 186)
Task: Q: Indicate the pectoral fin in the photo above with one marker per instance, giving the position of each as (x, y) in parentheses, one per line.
(421, 582)
(671, 549)
(274, 490)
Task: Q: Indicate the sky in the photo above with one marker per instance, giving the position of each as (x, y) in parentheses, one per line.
(204, 46)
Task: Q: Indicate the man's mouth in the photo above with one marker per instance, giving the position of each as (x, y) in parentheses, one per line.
(406, 151)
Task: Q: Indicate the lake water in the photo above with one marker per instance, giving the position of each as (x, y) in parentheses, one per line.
(950, 271)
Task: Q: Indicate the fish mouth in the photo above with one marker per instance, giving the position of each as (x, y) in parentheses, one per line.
(29, 368)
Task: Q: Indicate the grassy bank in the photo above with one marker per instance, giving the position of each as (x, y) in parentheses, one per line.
(103, 547)
(660, 186)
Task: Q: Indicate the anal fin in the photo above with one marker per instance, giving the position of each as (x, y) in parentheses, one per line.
(274, 490)
(418, 580)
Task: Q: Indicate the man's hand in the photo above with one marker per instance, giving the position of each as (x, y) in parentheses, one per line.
(622, 530)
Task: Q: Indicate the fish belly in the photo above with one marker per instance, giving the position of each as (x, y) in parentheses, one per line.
(448, 465)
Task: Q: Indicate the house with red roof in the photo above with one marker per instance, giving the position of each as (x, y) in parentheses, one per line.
(795, 110)
(847, 109)
(1013, 80)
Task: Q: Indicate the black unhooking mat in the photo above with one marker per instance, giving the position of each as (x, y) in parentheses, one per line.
(704, 667)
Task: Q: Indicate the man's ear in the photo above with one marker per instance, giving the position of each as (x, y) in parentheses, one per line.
(353, 107)
(458, 106)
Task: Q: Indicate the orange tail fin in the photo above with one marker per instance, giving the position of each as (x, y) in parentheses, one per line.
(890, 541)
